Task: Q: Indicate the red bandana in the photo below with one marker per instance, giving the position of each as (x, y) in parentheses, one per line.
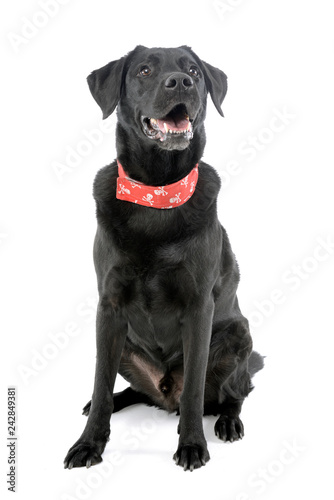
(170, 196)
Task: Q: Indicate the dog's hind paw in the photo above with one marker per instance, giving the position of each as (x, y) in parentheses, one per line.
(191, 456)
(229, 428)
(82, 454)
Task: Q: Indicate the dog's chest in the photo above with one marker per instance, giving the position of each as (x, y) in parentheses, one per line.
(155, 287)
(153, 296)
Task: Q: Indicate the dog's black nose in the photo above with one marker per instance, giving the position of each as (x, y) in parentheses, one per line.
(179, 80)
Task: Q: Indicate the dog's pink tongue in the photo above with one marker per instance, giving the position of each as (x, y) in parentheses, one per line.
(176, 125)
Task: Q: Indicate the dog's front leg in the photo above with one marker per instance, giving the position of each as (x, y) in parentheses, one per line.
(111, 330)
(192, 451)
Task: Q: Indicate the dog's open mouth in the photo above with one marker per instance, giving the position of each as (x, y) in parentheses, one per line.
(176, 124)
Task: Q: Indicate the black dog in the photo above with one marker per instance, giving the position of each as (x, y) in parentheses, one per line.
(168, 318)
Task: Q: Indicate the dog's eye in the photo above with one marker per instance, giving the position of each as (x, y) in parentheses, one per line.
(194, 71)
(144, 71)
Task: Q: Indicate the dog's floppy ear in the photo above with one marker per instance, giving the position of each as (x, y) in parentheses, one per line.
(215, 80)
(105, 85)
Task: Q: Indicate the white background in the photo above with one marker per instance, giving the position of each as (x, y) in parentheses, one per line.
(277, 206)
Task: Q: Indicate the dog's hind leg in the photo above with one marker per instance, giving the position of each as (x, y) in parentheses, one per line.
(229, 427)
(123, 399)
(129, 397)
(228, 379)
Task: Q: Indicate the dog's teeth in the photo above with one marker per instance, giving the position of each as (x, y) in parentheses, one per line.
(153, 120)
(178, 132)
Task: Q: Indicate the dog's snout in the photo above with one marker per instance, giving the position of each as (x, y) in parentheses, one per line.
(179, 80)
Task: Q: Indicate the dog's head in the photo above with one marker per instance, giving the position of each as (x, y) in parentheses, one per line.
(161, 93)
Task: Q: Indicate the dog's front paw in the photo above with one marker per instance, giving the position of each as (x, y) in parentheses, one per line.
(83, 454)
(229, 428)
(191, 456)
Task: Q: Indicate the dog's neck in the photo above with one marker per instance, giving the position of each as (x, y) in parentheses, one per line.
(160, 167)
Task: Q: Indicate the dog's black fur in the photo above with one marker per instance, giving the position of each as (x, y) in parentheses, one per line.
(168, 318)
